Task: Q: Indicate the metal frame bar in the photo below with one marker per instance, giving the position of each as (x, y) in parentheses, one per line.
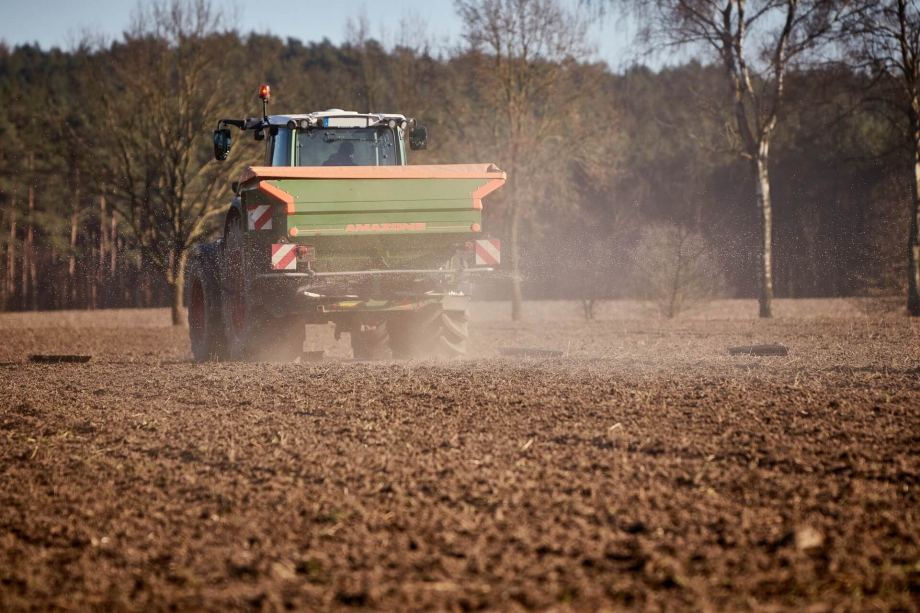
(371, 273)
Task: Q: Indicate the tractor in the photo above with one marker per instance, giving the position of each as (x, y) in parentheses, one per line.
(336, 227)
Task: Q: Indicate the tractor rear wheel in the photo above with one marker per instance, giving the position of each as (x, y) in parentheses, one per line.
(205, 319)
(253, 333)
(431, 332)
(371, 343)
(241, 322)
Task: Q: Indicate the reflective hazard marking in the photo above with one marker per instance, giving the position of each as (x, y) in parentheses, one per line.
(284, 257)
(260, 217)
(488, 252)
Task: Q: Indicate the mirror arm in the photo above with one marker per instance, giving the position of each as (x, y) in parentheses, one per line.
(239, 123)
(254, 123)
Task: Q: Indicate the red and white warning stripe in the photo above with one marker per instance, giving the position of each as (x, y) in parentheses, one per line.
(488, 252)
(260, 217)
(284, 257)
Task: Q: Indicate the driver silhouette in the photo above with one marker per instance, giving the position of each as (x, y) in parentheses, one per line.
(343, 157)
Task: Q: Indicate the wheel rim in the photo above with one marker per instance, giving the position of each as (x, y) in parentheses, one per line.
(196, 312)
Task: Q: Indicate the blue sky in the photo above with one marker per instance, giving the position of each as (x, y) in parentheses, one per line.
(59, 22)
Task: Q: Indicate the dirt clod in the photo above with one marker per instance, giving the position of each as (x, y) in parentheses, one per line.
(807, 538)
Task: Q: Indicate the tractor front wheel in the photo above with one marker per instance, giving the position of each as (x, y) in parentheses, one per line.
(370, 343)
(430, 332)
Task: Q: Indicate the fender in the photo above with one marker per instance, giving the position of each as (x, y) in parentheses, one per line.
(237, 206)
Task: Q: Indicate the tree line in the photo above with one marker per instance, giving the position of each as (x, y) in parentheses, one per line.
(782, 161)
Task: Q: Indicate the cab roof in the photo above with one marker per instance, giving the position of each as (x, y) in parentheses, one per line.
(374, 118)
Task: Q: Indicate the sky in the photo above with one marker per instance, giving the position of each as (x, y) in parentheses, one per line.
(58, 23)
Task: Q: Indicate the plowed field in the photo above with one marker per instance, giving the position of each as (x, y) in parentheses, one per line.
(646, 469)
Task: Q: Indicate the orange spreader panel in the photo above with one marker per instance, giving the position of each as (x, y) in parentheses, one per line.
(442, 171)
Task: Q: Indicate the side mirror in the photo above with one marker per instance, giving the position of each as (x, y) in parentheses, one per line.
(418, 138)
(235, 186)
(221, 144)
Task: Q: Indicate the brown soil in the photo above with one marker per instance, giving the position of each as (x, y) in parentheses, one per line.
(647, 469)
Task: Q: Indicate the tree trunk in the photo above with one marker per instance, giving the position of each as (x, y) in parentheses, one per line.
(11, 256)
(92, 274)
(114, 245)
(517, 297)
(175, 305)
(146, 294)
(675, 288)
(30, 236)
(54, 273)
(765, 205)
(5, 268)
(26, 256)
(103, 247)
(24, 282)
(72, 263)
(176, 285)
(122, 300)
(913, 240)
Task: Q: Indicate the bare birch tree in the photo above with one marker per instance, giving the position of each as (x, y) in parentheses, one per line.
(756, 42)
(886, 37)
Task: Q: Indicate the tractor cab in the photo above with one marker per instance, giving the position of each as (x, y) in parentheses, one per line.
(336, 138)
(327, 138)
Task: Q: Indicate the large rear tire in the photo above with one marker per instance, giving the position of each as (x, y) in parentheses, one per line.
(240, 319)
(251, 332)
(431, 332)
(205, 317)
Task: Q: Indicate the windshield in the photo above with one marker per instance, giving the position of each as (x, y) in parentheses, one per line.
(345, 147)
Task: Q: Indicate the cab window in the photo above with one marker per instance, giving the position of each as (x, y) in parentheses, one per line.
(281, 148)
(346, 147)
